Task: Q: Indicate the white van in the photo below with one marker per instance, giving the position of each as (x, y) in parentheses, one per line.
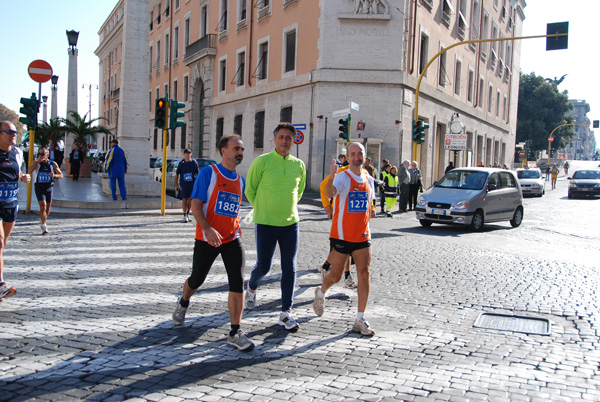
(472, 196)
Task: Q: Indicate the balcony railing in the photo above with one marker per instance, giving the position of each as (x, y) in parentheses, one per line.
(206, 42)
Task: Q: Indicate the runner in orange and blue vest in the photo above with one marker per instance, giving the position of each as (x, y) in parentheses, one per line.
(216, 200)
(350, 234)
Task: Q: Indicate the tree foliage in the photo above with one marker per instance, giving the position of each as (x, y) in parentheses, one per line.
(541, 109)
(10, 115)
(81, 128)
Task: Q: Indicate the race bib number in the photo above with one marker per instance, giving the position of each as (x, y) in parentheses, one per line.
(9, 192)
(228, 204)
(188, 176)
(44, 177)
(358, 201)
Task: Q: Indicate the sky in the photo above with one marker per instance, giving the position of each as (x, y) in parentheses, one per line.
(579, 61)
(47, 40)
(36, 29)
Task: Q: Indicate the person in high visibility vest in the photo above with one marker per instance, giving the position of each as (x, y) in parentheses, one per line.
(390, 190)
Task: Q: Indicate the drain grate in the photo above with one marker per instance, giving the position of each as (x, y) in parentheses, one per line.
(515, 323)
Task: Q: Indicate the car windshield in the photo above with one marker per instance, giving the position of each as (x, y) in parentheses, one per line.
(528, 174)
(463, 179)
(205, 162)
(587, 174)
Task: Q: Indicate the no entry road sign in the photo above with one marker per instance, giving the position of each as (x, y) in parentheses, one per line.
(40, 71)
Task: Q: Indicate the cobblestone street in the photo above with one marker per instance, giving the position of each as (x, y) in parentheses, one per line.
(92, 317)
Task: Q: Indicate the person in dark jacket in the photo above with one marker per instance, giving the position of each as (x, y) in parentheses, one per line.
(116, 167)
(75, 159)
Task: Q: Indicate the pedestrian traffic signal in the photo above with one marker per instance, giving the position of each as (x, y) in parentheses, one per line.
(30, 110)
(160, 113)
(345, 128)
(174, 114)
(419, 127)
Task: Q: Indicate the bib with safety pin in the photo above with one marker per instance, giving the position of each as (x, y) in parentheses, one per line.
(9, 192)
(358, 201)
(228, 204)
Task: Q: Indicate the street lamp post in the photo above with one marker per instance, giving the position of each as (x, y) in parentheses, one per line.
(45, 109)
(72, 37)
(53, 89)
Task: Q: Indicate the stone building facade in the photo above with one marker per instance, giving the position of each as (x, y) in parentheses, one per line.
(243, 66)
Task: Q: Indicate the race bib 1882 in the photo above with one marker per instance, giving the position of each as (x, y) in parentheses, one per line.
(358, 201)
(9, 192)
(228, 204)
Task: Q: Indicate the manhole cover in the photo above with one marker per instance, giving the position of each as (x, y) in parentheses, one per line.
(515, 323)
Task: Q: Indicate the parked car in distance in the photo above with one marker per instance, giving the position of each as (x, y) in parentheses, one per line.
(532, 181)
(153, 161)
(156, 172)
(172, 170)
(472, 196)
(98, 162)
(584, 183)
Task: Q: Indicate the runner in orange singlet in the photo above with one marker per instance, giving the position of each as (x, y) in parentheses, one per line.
(350, 235)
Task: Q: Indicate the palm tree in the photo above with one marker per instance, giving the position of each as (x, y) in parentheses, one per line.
(46, 133)
(82, 128)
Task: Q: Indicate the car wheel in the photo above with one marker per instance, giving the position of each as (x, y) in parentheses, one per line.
(425, 223)
(517, 218)
(569, 195)
(477, 221)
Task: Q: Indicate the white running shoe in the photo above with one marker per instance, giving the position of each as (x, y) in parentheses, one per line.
(363, 328)
(44, 229)
(249, 298)
(179, 314)
(319, 303)
(287, 321)
(240, 341)
(350, 283)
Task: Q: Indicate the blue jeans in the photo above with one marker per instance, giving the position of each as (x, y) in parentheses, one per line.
(267, 238)
(113, 187)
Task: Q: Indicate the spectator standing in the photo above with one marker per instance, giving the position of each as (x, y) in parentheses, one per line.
(11, 161)
(413, 185)
(390, 189)
(350, 235)
(554, 172)
(116, 166)
(44, 171)
(385, 170)
(216, 200)
(404, 179)
(185, 176)
(75, 159)
(275, 184)
(449, 167)
(59, 155)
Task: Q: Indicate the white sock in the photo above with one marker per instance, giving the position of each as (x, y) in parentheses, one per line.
(360, 316)
(319, 293)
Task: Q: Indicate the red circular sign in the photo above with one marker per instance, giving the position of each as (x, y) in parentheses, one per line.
(550, 139)
(299, 137)
(40, 71)
(522, 153)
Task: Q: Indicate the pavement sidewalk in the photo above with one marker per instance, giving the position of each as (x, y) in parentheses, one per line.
(85, 198)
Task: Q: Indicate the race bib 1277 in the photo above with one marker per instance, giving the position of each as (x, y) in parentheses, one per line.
(358, 201)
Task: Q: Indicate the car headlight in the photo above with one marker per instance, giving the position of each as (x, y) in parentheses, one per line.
(422, 201)
(572, 185)
(461, 205)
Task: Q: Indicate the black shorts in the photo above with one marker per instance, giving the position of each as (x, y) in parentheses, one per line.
(233, 258)
(346, 247)
(8, 215)
(43, 192)
(185, 190)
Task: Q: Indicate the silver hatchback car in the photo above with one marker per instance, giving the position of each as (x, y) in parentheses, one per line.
(472, 196)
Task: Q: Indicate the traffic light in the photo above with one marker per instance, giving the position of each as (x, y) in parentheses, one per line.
(30, 110)
(419, 128)
(160, 113)
(345, 128)
(174, 114)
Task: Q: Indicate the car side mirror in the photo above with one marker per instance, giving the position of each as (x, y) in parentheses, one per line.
(492, 187)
